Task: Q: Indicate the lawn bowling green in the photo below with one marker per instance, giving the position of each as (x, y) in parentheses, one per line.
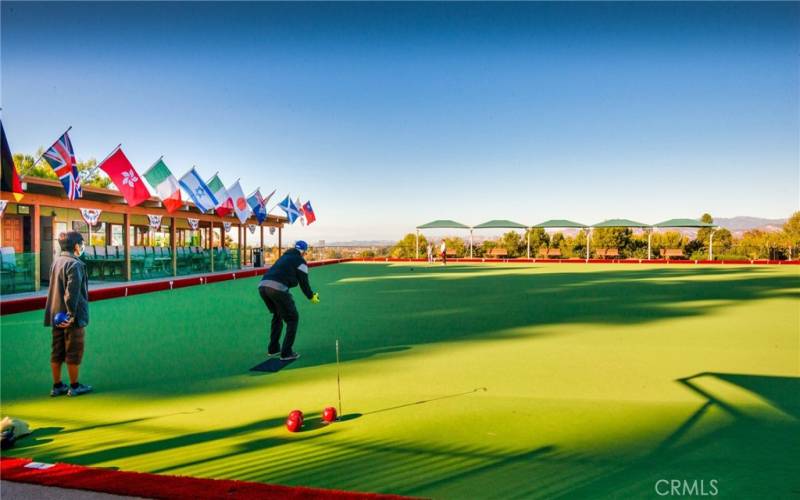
(515, 380)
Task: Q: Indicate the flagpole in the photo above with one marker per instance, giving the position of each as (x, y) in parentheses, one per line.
(42, 155)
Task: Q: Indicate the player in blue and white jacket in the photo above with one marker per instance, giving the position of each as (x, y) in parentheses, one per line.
(287, 272)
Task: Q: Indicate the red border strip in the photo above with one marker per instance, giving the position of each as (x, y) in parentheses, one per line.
(585, 261)
(33, 303)
(38, 302)
(161, 486)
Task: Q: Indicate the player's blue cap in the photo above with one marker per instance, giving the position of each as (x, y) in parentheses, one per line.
(301, 245)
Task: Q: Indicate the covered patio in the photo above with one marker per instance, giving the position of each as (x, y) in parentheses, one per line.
(442, 224)
(123, 243)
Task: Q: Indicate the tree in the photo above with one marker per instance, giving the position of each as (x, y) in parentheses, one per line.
(703, 237)
(791, 233)
(539, 238)
(755, 244)
(511, 242)
(484, 248)
(577, 245)
(404, 249)
(723, 241)
(556, 240)
(42, 170)
(456, 245)
(611, 237)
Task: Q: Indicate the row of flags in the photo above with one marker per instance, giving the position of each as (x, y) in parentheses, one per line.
(211, 195)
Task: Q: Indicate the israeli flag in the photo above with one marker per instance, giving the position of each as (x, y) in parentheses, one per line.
(198, 191)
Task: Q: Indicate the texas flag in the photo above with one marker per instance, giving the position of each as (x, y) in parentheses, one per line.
(308, 212)
(125, 177)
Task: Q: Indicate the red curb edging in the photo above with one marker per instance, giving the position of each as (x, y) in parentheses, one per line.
(161, 486)
(757, 262)
(33, 303)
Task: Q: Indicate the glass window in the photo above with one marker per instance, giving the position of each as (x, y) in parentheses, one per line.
(117, 235)
(98, 233)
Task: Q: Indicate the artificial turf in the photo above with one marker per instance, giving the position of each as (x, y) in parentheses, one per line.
(459, 382)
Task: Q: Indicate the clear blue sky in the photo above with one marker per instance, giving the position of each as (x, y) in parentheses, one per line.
(390, 115)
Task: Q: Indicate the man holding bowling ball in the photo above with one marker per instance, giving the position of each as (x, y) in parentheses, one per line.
(67, 312)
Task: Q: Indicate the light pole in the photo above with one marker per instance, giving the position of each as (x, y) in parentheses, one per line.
(588, 240)
(711, 245)
(528, 232)
(470, 243)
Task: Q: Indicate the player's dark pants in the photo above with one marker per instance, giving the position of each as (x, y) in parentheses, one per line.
(281, 305)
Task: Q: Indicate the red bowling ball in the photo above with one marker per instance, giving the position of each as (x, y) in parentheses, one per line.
(329, 414)
(295, 421)
(294, 424)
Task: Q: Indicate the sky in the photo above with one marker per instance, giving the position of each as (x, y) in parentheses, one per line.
(387, 116)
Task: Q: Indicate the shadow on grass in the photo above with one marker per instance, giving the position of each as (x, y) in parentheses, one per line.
(365, 307)
(746, 452)
(749, 455)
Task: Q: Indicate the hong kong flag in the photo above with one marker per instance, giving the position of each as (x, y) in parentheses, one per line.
(125, 177)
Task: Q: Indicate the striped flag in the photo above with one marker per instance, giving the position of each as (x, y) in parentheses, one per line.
(197, 190)
(224, 202)
(165, 184)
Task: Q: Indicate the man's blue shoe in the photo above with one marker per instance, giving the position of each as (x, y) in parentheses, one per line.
(80, 389)
(58, 390)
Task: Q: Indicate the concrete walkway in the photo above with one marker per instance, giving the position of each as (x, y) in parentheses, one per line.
(23, 491)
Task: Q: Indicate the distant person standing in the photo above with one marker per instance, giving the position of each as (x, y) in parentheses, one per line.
(430, 253)
(68, 293)
(287, 272)
(443, 249)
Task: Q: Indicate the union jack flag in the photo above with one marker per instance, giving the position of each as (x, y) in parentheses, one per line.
(61, 158)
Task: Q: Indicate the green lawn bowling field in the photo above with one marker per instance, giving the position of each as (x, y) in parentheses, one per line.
(468, 381)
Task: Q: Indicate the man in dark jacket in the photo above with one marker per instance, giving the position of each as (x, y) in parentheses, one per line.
(68, 293)
(288, 271)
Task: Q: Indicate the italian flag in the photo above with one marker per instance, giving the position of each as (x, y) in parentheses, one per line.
(225, 205)
(166, 185)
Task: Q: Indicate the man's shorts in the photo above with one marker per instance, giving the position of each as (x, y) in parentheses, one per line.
(67, 345)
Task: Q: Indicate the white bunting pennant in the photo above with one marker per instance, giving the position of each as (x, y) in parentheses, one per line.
(252, 228)
(155, 222)
(272, 230)
(3, 204)
(91, 215)
(227, 226)
(193, 223)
